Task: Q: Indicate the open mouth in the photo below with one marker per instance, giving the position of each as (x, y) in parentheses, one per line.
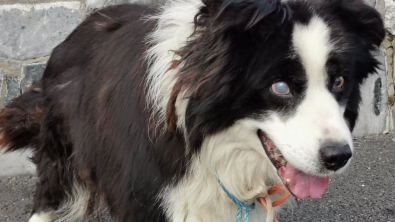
(300, 184)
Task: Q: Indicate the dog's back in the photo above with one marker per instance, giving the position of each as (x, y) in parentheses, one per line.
(92, 114)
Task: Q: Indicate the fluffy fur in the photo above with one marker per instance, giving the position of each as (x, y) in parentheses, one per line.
(140, 107)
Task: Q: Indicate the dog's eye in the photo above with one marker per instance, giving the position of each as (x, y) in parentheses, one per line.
(339, 82)
(281, 88)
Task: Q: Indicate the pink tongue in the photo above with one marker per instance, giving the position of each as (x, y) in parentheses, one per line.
(303, 185)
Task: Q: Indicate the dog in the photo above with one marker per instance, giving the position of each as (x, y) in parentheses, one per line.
(164, 113)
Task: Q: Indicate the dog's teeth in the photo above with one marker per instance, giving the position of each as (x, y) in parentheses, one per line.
(277, 152)
(287, 182)
(284, 162)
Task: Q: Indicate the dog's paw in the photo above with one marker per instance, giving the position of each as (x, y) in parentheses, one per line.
(47, 216)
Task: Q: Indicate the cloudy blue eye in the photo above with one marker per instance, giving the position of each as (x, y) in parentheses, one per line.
(281, 88)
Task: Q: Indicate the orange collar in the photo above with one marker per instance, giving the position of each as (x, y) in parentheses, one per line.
(275, 189)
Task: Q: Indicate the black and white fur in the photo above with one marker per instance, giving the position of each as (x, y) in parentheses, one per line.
(140, 106)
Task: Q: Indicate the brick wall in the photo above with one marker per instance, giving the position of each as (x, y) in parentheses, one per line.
(32, 28)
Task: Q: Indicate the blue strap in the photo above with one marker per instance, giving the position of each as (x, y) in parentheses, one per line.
(247, 208)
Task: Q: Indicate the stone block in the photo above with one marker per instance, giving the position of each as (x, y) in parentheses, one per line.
(391, 89)
(94, 5)
(13, 85)
(380, 7)
(386, 43)
(392, 120)
(373, 112)
(33, 30)
(11, 67)
(389, 17)
(390, 52)
(1, 81)
(32, 75)
(371, 2)
(393, 117)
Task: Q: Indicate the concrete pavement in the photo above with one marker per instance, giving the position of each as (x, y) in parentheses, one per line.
(16, 163)
(365, 192)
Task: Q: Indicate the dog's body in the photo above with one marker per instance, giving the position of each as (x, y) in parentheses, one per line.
(145, 109)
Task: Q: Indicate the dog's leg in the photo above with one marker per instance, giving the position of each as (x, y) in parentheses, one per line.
(54, 169)
(51, 187)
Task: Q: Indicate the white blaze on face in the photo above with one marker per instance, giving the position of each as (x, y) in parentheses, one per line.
(313, 46)
(319, 117)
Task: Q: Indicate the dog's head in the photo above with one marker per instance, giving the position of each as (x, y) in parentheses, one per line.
(287, 74)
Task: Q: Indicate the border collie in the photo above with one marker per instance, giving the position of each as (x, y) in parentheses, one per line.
(163, 113)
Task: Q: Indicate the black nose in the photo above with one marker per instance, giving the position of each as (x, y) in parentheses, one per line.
(335, 155)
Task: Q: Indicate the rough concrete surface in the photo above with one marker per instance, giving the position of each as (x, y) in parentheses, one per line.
(16, 198)
(365, 192)
(34, 30)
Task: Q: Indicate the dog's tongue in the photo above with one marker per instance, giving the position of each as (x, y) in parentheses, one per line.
(303, 185)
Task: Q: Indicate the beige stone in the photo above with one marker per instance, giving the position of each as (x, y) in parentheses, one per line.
(386, 43)
(390, 73)
(11, 67)
(391, 89)
(390, 51)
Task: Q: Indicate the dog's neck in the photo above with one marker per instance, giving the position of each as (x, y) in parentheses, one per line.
(199, 197)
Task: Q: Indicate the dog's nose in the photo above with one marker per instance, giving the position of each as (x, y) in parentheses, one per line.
(335, 155)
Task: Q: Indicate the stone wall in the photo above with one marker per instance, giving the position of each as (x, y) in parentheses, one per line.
(32, 28)
(377, 110)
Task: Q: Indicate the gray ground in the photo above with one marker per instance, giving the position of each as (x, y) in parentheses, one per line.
(366, 192)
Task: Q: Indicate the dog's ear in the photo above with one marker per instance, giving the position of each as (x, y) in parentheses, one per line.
(363, 26)
(242, 13)
(363, 20)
